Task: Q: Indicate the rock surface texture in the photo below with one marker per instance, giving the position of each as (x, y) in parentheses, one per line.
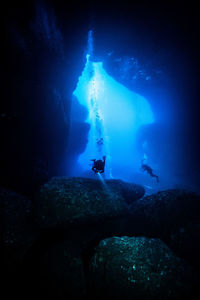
(81, 238)
(139, 268)
(82, 200)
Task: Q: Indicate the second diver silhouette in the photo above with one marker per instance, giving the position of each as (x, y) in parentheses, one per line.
(149, 170)
(98, 165)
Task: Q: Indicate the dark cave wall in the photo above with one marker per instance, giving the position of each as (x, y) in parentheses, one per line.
(42, 63)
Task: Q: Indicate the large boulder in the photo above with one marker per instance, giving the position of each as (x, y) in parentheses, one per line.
(130, 191)
(139, 268)
(63, 201)
(160, 214)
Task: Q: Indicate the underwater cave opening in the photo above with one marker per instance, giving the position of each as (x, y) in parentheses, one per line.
(108, 118)
(114, 114)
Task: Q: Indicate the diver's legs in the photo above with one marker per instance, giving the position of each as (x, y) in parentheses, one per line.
(153, 175)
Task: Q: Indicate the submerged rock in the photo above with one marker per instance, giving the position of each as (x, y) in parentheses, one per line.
(161, 213)
(17, 219)
(17, 236)
(130, 191)
(82, 200)
(56, 269)
(185, 242)
(139, 268)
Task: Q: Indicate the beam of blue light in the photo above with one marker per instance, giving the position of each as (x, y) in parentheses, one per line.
(115, 113)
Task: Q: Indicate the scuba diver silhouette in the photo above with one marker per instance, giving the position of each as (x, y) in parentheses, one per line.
(98, 165)
(149, 170)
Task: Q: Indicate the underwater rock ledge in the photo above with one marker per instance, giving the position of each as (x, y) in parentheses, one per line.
(73, 200)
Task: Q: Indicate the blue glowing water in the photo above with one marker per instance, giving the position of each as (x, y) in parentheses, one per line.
(115, 113)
